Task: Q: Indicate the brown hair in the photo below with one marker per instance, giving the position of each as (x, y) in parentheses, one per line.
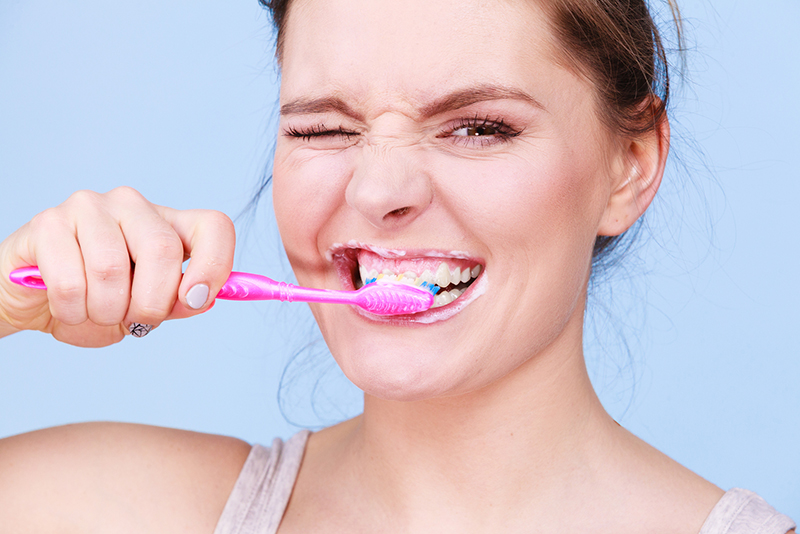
(617, 45)
(614, 43)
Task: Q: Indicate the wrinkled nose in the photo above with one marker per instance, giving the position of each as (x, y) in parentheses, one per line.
(389, 186)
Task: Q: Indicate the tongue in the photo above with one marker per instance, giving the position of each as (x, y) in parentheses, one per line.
(418, 265)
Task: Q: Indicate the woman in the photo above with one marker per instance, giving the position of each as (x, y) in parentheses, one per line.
(512, 150)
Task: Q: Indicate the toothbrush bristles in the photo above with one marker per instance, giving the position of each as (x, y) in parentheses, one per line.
(433, 288)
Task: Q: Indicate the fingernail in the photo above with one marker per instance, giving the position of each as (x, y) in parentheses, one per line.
(139, 329)
(197, 296)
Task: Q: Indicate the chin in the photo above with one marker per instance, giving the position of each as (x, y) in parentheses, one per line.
(398, 370)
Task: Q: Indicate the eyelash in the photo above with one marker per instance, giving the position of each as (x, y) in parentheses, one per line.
(503, 132)
(319, 130)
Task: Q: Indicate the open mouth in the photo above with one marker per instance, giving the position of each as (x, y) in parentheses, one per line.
(452, 275)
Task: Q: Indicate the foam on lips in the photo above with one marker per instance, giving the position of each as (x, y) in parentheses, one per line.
(452, 275)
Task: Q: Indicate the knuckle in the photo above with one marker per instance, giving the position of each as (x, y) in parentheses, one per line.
(126, 194)
(47, 220)
(219, 221)
(212, 221)
(109, 269)
(67, 289)
(66, 304)
(167, 246)
(83, 198)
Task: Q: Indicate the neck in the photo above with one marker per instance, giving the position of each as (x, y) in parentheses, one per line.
(539, 423)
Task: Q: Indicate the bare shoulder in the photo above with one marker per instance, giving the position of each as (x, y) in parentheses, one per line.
(651, 491)
(115, 477)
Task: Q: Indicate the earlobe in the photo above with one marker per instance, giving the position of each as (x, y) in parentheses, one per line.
(637, 184)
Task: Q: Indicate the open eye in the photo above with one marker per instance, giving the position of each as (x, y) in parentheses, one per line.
(476, 130)
(481, 131)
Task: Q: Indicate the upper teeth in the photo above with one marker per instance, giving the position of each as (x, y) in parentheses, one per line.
(443, 277)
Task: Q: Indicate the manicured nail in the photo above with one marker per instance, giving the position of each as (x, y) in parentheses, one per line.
(139, 329)
(197, 296)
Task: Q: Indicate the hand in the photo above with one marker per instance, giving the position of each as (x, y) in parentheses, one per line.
(85, 249)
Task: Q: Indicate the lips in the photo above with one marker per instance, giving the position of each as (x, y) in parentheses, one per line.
(455, 273)
(452, 275)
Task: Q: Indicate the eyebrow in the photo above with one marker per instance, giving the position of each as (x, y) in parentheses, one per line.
(472, 95)
(449, 102)
(328, 104)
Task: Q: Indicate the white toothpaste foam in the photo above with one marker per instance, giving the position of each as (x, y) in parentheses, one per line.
(391, 253)
(478, 288)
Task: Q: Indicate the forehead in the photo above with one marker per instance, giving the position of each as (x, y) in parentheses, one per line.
(416, 48)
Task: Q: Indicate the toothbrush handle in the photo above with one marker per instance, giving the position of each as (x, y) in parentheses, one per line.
(248, 286)
(239, 286)
(28, 277)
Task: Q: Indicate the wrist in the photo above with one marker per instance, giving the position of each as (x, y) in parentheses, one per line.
(6, 329)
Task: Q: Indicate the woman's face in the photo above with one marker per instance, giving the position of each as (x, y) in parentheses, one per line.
(427, 132)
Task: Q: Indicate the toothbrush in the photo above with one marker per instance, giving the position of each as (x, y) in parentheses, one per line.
(381, 297)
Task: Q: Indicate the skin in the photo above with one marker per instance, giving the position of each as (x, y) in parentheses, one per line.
(107, 477)
(529, 207)
(451, 408)
(483, 422)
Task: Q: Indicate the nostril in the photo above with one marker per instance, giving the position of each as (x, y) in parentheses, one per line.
(399, 212)
(388, 196)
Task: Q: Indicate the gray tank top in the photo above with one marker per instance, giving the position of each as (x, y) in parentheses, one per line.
(262, 491)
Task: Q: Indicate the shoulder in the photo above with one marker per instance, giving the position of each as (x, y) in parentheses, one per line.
(117, 477)
(668, 497)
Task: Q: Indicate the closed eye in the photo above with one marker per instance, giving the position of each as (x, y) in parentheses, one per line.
(319, 131)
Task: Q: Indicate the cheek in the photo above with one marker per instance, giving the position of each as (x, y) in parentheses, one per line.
(538, 217)
(308, 188)
(544, 198)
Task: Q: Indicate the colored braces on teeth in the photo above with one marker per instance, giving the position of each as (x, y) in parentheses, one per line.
(433, 288)
(457, 279)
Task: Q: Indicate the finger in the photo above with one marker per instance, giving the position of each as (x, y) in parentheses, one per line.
(21, 308)
(88, 335)
(157, 251)
(158, 255)
(180, 311)
(107, 264)
(58, 255)
(209, 238)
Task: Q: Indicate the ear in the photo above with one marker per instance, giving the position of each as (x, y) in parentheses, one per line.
(635, 186)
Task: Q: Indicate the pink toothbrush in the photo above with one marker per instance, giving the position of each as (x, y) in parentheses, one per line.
(381, 297)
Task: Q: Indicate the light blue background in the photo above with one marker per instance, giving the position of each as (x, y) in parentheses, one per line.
(177, 99)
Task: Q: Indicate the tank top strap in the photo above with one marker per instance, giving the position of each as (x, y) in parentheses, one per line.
(740, 511)
(259, 498)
